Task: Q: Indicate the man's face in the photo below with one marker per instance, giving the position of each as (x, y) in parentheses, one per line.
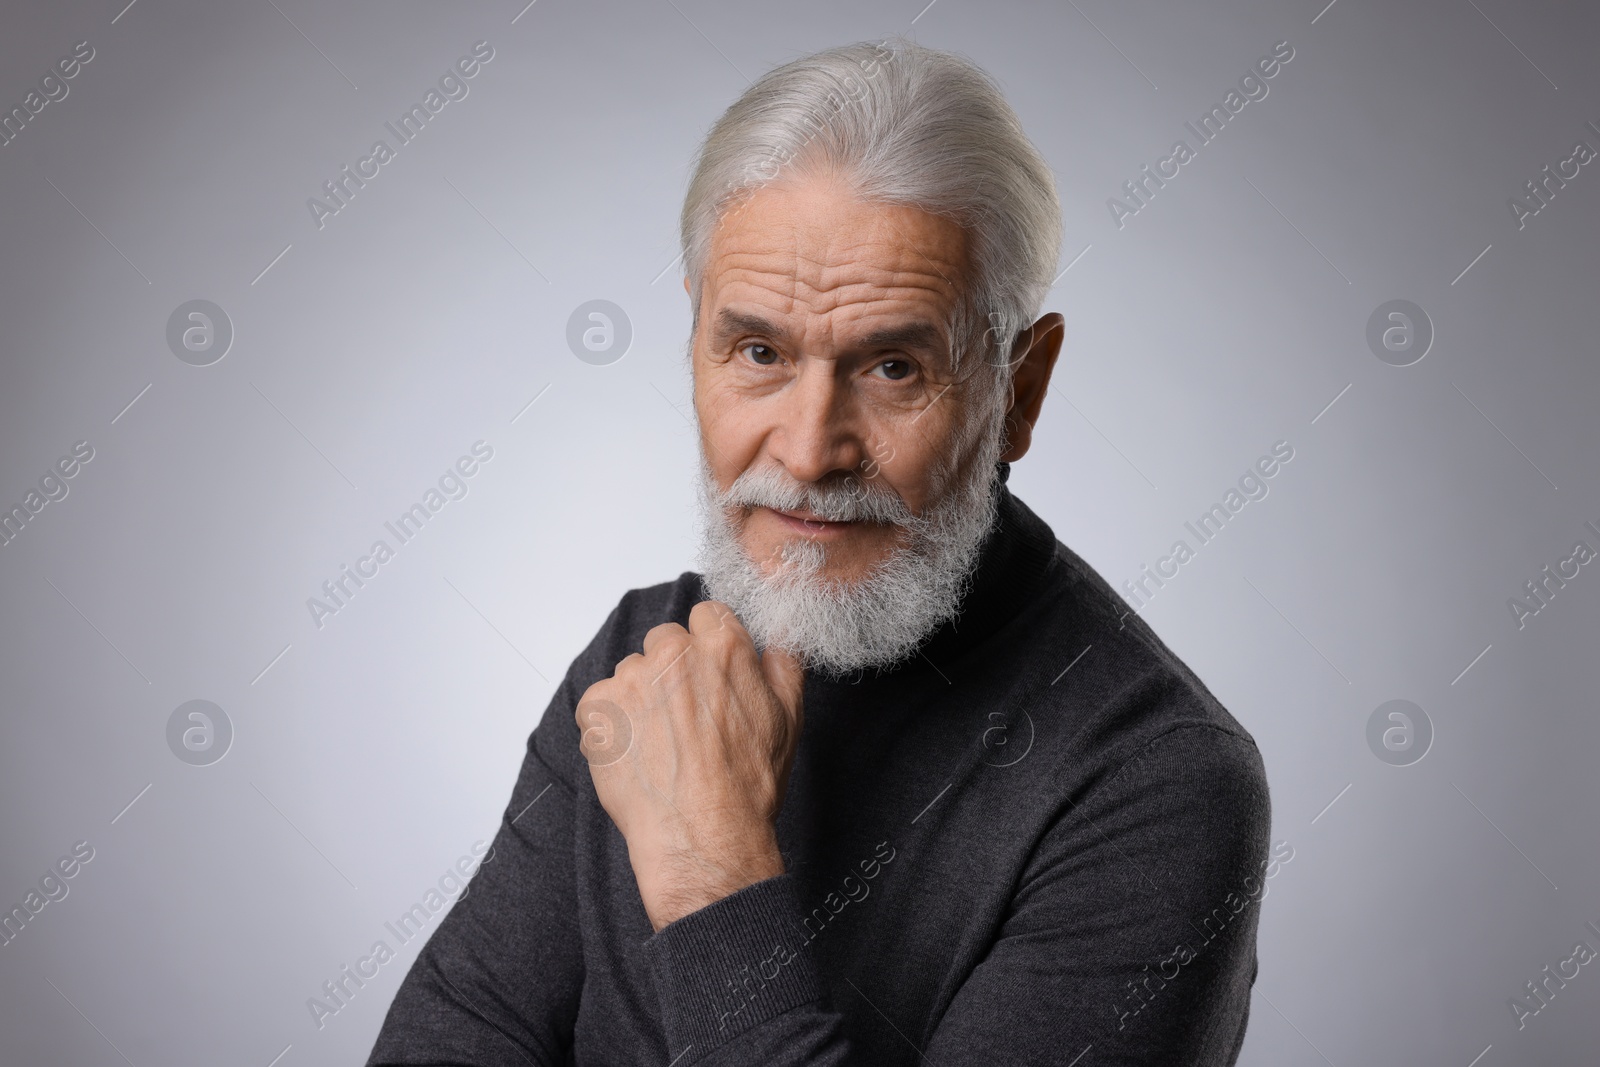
(823, 349)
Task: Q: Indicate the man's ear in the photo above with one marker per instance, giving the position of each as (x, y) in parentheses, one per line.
(1034, 354)
(686, 283)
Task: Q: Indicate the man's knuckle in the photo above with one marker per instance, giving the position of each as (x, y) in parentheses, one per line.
(674, 645)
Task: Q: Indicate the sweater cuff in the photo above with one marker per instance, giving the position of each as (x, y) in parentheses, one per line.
(732, 965)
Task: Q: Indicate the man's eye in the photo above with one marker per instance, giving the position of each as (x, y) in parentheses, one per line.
(764, 355)
(894, 369)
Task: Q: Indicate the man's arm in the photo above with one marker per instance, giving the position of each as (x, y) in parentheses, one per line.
(1132, 935)
(497, 984)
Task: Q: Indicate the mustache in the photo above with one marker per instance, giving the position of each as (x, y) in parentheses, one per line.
(845, 498)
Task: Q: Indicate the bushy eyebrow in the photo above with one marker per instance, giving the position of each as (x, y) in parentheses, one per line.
(923, 336)
(731, 324)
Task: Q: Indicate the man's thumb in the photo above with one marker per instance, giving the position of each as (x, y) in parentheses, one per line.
(785, 674)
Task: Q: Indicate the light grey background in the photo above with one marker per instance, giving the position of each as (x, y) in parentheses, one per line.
(370, 754)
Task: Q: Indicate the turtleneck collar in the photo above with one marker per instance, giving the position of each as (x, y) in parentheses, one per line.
(1012, 561)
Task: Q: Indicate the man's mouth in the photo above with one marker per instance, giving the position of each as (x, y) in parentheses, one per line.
(807, 522)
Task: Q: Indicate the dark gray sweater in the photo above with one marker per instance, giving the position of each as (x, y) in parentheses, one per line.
(1039, 841)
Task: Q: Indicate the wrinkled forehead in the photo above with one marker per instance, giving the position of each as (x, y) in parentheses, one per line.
(832, 265)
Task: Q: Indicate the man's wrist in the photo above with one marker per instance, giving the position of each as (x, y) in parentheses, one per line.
(674, 883)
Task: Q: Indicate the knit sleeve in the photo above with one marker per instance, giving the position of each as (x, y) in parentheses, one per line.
(1131, 934)
(497, 984)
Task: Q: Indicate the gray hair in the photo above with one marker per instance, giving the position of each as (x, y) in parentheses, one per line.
(901, 124)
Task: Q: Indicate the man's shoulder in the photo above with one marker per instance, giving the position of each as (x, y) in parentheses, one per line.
(1147, 734)
(1144, 693)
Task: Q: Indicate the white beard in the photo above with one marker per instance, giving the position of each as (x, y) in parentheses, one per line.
(838, 627)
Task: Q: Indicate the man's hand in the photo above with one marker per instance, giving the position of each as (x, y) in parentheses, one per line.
(689, 746)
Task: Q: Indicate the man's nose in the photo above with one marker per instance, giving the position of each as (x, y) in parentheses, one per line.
(816, 433)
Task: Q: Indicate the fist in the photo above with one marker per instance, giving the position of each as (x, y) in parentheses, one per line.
(689, 746)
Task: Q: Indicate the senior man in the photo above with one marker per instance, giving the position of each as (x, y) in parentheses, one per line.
(897, 779)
